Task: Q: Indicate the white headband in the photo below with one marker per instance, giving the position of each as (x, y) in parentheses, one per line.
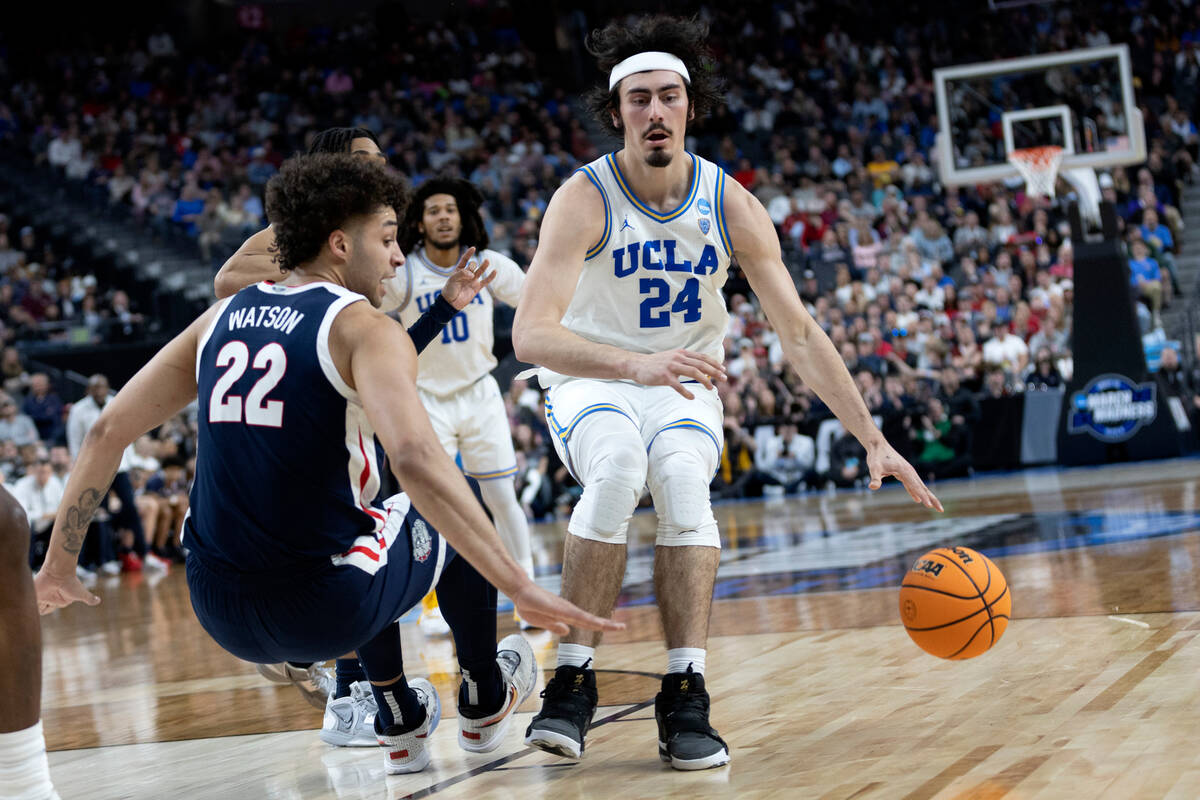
(645, 62)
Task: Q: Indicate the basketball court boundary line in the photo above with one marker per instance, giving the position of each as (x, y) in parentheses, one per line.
(429, 791)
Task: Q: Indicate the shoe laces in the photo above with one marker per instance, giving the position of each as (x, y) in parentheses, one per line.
(568, 697)
(688, 711)
(362, 697)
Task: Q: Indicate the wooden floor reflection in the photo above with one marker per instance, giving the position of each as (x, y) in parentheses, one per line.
(815, 685)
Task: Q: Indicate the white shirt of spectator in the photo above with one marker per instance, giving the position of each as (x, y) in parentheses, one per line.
(1005, 349)
(613, 298)
(39, 501)
(462, 353)
(83, 416)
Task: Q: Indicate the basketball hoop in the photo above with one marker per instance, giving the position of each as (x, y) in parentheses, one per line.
(1039, 167)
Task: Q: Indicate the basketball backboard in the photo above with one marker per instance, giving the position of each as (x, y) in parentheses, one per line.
(1080, 100)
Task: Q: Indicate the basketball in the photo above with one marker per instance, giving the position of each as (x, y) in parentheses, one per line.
(955, 603)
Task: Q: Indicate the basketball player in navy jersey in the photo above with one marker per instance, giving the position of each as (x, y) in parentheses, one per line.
(303, 386)
(627, 322)
(253, 262)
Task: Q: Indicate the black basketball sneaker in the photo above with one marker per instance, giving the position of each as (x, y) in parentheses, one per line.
(685, 739)
(570, 702)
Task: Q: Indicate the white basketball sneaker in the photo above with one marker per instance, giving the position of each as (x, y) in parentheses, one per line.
(350, 721)
(409, 751)
(316, 682)
(482, 733)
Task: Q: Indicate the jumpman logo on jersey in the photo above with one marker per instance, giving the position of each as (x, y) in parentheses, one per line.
(626, 225)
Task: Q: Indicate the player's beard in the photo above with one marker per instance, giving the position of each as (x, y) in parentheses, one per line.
(659, 158)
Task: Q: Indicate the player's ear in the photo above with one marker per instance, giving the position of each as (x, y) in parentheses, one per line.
(339, 244)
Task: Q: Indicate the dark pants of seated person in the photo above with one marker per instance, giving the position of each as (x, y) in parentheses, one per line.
(128, 518)
(97, 546)
(953, 468)
(751, 483)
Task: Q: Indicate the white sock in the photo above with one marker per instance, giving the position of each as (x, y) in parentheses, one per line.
(575, 655)
(679, 658)
(24, 770)
(500, 496)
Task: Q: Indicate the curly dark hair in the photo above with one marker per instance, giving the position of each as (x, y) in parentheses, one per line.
(684, 38)
(337, 140)
(468, 198)
(312, 196)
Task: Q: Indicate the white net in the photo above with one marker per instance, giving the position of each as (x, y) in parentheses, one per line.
(1039, 167)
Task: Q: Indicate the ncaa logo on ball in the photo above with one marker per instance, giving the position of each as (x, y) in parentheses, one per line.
(703, 205)
(422, 542)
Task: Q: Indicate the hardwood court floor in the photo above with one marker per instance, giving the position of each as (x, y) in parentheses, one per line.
(816, 687)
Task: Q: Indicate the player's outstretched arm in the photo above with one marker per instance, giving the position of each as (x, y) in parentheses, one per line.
(379, 362)
(574, 221)
(253, 262)
(159, 391)
(805, 345)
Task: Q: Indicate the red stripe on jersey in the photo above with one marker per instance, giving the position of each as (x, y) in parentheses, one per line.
(362, 482)
(371, 554)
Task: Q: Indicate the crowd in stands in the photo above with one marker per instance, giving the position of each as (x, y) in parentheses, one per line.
(937, 300)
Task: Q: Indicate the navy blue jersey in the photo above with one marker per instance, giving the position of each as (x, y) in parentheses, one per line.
(288, 467)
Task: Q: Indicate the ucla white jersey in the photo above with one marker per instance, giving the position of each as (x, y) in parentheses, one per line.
(462, 354)
(653, 280)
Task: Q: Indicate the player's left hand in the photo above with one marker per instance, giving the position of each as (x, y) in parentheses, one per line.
(466, 281)
(883, 461)
(55, 591)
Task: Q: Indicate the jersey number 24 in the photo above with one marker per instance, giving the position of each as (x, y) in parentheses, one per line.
(655, 313)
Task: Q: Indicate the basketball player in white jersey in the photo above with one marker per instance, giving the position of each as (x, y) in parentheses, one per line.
(454, 371)
(626, 319)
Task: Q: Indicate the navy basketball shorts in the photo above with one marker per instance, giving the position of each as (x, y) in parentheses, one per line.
(326, 609)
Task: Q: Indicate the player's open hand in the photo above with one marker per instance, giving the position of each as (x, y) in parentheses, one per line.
(549, 611)
(54, 591)
(466, 281)
(672, 367)
(883, 461)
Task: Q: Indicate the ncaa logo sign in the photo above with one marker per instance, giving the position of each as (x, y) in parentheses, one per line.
(703, 225)
(703, 206)
(1112, 408)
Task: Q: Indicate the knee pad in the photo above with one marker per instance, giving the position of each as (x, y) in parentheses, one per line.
(614, 483)
(679, 480)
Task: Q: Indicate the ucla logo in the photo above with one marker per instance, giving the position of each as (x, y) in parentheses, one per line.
(660, 255)
(703, 206)
(703, 225)
(1112, 408)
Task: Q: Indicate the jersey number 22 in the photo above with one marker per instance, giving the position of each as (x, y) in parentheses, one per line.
(224, 407)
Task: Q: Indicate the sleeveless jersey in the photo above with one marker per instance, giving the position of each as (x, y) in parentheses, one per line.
(462, 354)
(653, 280)
(287, 466)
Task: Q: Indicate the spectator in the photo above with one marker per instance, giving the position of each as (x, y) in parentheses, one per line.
(44, 406)
(942, 444)
(40, 493)
(80, 419)
(1145, 279)
(16, 427)
(1044, 374)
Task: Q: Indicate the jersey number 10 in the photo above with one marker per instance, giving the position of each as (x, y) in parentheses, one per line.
(224, 407)
(654, 311)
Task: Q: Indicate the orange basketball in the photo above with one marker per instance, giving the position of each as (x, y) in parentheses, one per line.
(955, 603)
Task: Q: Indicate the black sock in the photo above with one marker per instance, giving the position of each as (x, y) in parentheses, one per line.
(348, 671)
(468, 603)
(383, 661)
